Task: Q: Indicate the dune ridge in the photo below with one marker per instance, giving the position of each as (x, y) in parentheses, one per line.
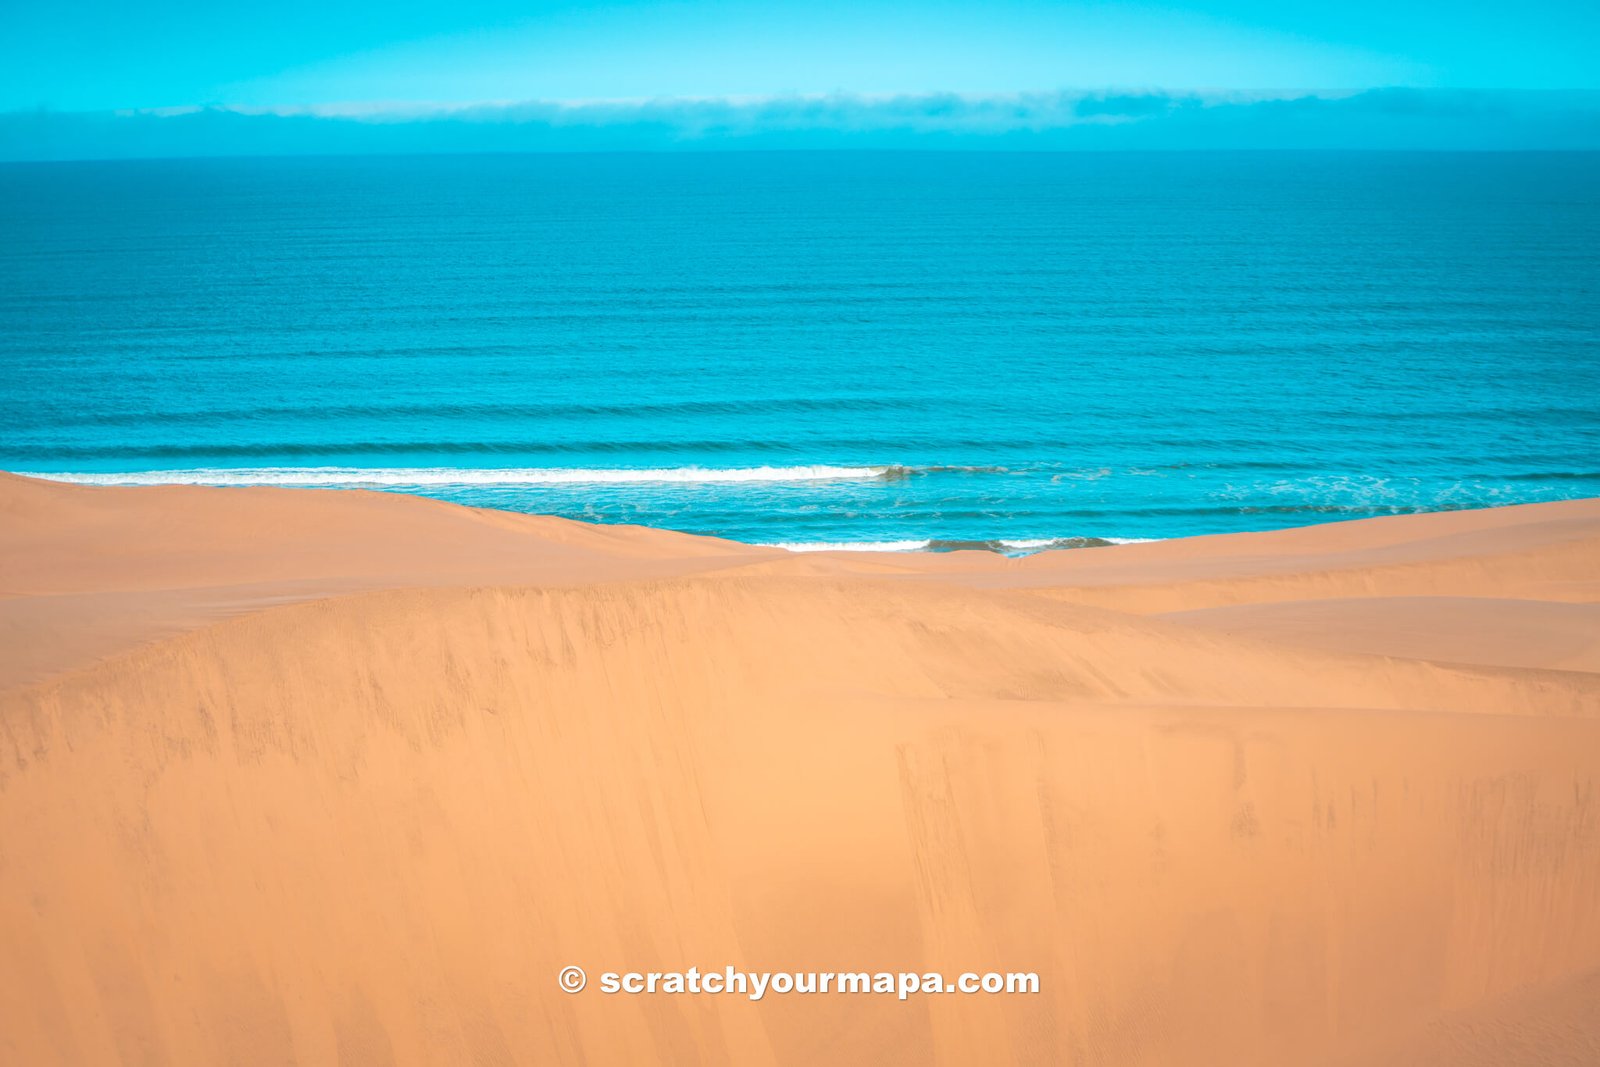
(299, 776)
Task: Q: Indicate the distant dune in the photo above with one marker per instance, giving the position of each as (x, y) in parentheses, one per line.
(301, 776)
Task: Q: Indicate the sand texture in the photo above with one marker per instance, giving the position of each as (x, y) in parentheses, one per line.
(315, 777)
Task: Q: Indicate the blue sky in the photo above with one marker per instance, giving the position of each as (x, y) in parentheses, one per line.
(101, 54)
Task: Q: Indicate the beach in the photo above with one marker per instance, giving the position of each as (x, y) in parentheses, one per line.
(315, 776)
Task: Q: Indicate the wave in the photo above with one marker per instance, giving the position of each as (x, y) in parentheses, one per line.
(312, 413)
(1039, 544)
(399, 477)
(248, 453)
(1028, 547)
(1025, 547)
(852, 546)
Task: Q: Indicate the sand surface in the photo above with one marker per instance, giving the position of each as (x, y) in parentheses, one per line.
(333, 777)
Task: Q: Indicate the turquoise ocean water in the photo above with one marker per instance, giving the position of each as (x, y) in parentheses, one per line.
(820, 348)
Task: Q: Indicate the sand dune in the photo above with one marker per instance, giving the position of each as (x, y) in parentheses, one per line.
(314, 777)
(1502, 631)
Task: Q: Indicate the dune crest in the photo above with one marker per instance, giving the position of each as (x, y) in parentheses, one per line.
(347, 777)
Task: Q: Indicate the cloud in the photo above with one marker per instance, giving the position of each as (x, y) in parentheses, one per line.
(1384, 118)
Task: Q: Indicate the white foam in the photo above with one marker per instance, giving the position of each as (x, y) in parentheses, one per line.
(355, 477)
(1034, 544)
(1020, 545)
(852, 546)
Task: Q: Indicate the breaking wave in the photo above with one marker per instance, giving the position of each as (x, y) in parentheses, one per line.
(395, 477)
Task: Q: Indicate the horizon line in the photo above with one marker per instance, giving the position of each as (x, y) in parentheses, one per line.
(420, 109)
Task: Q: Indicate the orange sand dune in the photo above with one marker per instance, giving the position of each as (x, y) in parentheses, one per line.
(318, 777)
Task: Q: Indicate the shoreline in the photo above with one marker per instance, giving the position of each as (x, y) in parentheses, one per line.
(486, 488)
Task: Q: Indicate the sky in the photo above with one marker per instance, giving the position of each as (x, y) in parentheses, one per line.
(96, 55)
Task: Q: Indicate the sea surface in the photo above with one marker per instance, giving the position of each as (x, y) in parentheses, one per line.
(899, 350)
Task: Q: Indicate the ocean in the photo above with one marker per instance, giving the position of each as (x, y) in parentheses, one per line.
(894, 350)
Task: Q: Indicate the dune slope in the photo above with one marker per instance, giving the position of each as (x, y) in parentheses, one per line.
(423, 757)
